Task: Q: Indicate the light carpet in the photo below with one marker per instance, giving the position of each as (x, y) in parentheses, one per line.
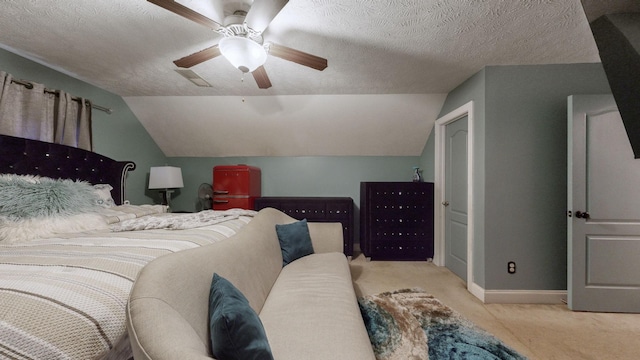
(411, 324)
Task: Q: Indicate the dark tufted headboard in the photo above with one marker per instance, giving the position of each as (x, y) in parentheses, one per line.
(32, 157)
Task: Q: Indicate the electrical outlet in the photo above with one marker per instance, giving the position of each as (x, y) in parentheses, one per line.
(511, 267)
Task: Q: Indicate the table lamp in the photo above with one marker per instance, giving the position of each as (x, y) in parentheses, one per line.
(165, 178)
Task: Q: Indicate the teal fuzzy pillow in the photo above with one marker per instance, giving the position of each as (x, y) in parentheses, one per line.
(295, 241)
(236, 329)
(24, 196)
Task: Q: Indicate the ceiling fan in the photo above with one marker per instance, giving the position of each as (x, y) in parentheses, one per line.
(242, 43)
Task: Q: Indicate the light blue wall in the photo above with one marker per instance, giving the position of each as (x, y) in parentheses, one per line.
(335, 176)
(473, 89)
(119, 136)
(520, 169)
(526, 170)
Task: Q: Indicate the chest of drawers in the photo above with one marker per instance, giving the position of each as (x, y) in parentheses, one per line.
(396, 220)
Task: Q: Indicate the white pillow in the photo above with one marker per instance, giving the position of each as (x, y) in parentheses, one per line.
(103, 192)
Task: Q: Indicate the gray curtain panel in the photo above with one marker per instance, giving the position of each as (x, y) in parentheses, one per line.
(37, 113)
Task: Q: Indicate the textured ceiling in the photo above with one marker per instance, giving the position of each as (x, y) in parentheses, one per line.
(372, 46)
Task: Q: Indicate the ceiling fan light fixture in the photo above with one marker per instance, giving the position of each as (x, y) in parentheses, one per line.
(243, 53)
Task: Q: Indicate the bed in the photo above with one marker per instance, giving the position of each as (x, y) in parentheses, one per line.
(66, 274)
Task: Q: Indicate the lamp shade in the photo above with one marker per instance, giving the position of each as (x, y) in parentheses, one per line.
(245, 54)
(165, 177)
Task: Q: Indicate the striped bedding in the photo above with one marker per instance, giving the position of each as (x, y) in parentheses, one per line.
(65, 297)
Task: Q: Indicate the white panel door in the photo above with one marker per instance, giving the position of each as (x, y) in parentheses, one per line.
(456, 207)
(604, 209)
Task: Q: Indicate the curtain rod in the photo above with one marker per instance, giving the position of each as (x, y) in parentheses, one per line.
(29, 85)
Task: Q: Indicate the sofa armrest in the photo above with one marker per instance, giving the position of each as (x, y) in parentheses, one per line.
(326, 237)
(178, 340)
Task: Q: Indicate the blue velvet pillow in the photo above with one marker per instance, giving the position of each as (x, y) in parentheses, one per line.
(295, 241)
(236, 329)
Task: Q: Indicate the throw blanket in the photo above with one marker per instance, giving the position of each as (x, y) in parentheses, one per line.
(410, 324)
(180, 221)
(25, 229)
(119, 213)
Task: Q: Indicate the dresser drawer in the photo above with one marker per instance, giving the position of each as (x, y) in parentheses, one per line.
(299, 210)
(338, 210)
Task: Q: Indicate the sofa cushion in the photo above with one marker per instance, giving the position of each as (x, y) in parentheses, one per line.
(295, 241)
(236, 329)
(312, 312)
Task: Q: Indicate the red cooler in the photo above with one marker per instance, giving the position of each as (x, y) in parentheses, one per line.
(235, 186)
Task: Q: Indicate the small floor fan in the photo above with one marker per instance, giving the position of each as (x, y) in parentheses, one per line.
(205, 196)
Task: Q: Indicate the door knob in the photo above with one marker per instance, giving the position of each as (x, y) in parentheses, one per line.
(445, 203)
(582, 215)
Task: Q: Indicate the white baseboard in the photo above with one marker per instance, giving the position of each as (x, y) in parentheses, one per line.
(525, 296)
(476, 290)
(518, 296)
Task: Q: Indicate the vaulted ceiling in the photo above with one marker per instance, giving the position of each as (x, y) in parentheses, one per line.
(390, 65)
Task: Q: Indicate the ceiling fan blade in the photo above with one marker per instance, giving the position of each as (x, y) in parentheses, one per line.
(262, 13)
(199, 57)
(297, 56)
(260, 75)
(184, 11)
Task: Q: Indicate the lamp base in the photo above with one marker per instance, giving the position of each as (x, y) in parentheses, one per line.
(166, 198)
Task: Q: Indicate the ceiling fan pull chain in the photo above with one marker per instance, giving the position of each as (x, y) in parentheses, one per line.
(242, 81)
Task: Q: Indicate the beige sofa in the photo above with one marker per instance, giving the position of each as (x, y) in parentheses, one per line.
(308, 308)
